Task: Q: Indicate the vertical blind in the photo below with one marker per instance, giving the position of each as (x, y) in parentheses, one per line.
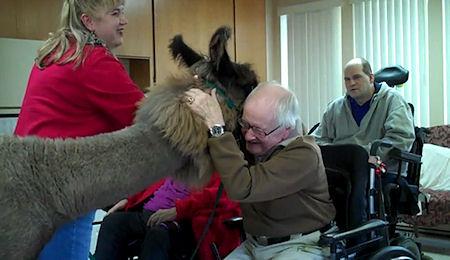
(446, 35)
(313, 60)
(395, 32)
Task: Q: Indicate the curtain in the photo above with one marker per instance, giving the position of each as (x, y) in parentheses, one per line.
(395, 32)
(446, 36)
(311, 34)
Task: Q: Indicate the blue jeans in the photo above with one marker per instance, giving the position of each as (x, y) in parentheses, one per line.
(71, 241)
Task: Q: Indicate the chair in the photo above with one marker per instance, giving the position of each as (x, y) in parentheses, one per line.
(402, 193)
(393, 75)
(362, 234)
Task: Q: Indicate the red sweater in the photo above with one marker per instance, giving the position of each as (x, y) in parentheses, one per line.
(64, 101)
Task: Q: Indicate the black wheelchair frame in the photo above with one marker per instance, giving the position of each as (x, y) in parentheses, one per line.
(370, 239)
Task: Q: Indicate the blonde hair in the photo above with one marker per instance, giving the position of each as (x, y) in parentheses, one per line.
(71, 30)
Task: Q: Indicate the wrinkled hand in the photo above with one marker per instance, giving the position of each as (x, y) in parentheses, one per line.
(206, 106)
(375, 160)
(161, 216)
(119, 205)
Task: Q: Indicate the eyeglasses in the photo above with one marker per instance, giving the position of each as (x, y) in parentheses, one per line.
(258, 132)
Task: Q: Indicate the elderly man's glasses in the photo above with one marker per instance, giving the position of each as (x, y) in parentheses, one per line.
(258, 132)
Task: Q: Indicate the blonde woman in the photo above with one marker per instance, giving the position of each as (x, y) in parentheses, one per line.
(76, 88)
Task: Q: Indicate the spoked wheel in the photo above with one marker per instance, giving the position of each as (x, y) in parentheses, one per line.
(394, 252)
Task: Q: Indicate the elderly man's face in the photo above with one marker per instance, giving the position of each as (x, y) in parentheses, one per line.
(358, 84)
(268, 133)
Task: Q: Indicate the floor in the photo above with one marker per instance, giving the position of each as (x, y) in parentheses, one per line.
(436, 248)
(436, 256)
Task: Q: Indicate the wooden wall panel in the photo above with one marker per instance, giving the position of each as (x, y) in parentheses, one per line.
(8, 21)
(251, 35)
(138, 40)
(196, 20)
(36, 19)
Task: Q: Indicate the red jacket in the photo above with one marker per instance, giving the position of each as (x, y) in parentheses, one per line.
(64, 101)
(198, 207)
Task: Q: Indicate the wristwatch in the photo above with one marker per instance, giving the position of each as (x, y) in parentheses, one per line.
(216, 130)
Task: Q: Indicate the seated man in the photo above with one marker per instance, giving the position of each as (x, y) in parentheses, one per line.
(284, 194)
(369, 111)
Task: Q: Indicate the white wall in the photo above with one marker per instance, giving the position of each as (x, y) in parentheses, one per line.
(16, 59)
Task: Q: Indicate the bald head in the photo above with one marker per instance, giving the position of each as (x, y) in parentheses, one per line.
(267, 93)
(365, 65)
(277, 102)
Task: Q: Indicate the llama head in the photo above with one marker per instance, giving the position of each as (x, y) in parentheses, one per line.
(165, 108)
(233, 81)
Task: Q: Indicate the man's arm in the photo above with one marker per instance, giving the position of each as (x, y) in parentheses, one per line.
(399, 127)
(322, 132)
(292, 169)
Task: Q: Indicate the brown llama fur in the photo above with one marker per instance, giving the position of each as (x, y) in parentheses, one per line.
(45, 183)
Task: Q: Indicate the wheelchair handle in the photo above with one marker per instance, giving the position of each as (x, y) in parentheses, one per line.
(376, 144)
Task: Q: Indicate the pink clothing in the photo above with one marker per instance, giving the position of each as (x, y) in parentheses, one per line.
(166, 195)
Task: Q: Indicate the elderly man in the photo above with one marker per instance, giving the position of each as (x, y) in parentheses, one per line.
(369, 111)
(284, 194)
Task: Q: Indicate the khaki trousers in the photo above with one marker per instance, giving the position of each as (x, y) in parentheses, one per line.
(298, 247)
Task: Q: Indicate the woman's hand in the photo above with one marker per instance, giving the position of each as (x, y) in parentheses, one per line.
(162, 215)
(206, 106)
(119, 206)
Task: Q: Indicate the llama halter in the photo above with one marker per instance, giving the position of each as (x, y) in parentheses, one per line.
(230, 103)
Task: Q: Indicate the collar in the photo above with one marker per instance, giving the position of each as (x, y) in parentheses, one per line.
(377, 87)
(281, 145)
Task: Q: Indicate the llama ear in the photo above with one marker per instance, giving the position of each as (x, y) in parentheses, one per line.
(218, 51)
(183, 53)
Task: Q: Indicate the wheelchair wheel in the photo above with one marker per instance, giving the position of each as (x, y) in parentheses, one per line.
(407, 243)
(394, 252)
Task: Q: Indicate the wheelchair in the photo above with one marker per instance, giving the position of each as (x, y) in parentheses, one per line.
(368, 205)
(363, 225)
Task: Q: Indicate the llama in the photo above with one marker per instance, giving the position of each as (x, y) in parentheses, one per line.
(45, 183)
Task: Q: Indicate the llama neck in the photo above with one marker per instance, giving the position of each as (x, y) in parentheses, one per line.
(95, 172)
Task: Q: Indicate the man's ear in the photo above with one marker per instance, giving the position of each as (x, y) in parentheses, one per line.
(286, 133)
(371, 78)
(88, 22)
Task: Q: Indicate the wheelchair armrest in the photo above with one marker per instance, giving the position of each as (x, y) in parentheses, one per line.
(235, 222)
(370, 225)
(376, 144)
(404, 156)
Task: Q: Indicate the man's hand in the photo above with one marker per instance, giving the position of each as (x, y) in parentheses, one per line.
(161, 216)
(119, 205)
(375, 160)
(380, 167)
(206, 106)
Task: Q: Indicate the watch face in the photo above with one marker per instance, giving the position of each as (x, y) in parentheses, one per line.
(216, 130)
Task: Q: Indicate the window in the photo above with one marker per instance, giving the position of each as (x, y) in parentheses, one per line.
(393, 32)
(310, 39)
(319, 37)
